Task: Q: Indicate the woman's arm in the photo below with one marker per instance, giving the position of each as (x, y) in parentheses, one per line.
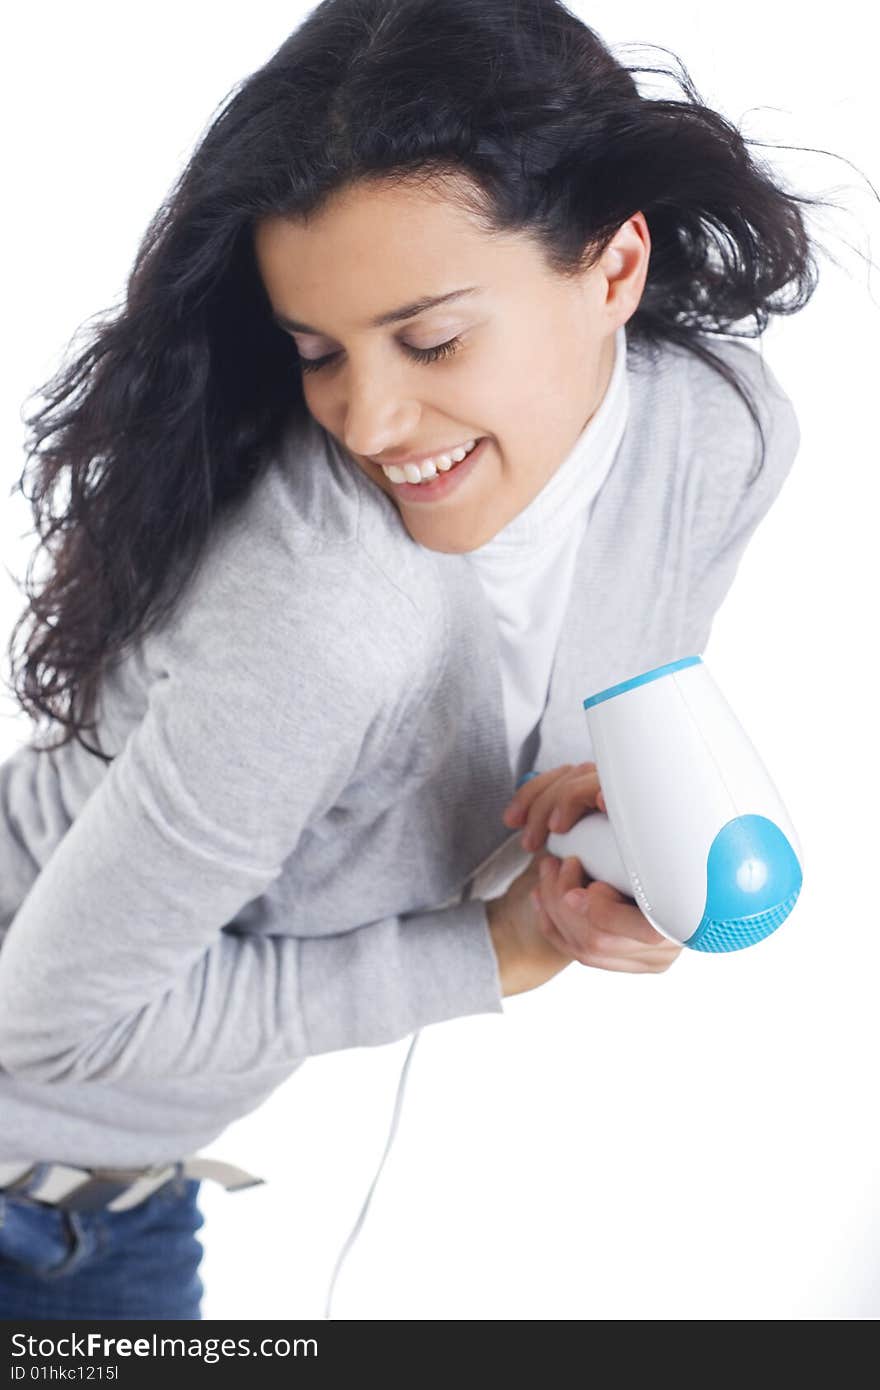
(266, 699)
(257, 1001)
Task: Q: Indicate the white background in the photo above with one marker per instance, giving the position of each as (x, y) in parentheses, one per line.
(698, 1145)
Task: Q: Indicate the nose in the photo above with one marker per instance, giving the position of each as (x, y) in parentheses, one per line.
(378, 415)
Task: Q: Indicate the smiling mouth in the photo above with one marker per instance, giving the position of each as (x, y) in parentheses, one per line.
(428, 468)
(435, 489)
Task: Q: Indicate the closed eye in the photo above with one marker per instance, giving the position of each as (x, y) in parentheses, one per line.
(434, 354)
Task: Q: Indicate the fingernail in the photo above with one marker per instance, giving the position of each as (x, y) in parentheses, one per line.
(576, 898)
(555, 820)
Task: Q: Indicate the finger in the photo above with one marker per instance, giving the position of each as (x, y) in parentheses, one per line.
(518, 807)
(571, 875)
(596, 946)
(599, 924)
(558, 878)
(616, 913)
(653, 964)
(547, 866)
(575, 796)
(552, 870)
(574, 789)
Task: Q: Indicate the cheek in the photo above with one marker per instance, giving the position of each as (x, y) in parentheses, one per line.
(531, 384)
(314, 397)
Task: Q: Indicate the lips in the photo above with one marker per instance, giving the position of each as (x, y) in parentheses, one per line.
(438, 488)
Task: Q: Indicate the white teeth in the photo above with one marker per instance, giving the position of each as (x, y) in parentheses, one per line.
(419, 472)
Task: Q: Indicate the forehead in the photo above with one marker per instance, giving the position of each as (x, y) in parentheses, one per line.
(372, 246)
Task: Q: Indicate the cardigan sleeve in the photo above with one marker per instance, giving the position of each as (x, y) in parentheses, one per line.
(122, 959)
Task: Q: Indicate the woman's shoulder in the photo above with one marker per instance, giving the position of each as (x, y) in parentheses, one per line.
(305, 500)
(716, 407)
(689, 412)
(288, 587)
(312, 500)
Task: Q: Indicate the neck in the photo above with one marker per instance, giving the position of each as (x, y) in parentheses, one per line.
(606, 369)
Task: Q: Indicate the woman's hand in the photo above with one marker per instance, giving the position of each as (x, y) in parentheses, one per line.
(526, 957)
(596, 925)
(554, 800)
(553, 913)
(547, 918)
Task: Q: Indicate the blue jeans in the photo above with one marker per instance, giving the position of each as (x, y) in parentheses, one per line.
(140, 1263)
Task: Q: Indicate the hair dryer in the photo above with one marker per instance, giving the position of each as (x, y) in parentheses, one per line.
(696, 831)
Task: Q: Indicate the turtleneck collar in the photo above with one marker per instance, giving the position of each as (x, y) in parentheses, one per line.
(567, 494)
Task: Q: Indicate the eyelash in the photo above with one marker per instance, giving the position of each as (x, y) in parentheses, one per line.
(447, 349)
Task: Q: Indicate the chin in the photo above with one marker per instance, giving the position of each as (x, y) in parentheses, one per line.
(448, 543)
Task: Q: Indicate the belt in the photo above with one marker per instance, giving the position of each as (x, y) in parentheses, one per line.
(113, 1189)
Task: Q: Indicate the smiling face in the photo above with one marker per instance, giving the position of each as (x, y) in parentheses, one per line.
(525, 355)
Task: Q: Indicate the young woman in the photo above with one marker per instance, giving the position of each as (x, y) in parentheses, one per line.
(408, 436)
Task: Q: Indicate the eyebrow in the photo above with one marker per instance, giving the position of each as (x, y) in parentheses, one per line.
(406, 311)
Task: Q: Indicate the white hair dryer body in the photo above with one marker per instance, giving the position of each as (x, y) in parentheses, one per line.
(696, 831)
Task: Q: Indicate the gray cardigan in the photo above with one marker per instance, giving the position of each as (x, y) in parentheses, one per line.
(310, 763)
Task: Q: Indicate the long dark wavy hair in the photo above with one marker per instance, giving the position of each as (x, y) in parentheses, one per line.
(175, 406)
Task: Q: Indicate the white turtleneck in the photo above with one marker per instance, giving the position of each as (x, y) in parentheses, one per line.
(526, 569)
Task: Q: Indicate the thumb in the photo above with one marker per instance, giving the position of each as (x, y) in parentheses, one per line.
(608, 892)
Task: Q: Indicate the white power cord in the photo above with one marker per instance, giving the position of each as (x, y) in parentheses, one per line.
(489, 879)
(360, 1220)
